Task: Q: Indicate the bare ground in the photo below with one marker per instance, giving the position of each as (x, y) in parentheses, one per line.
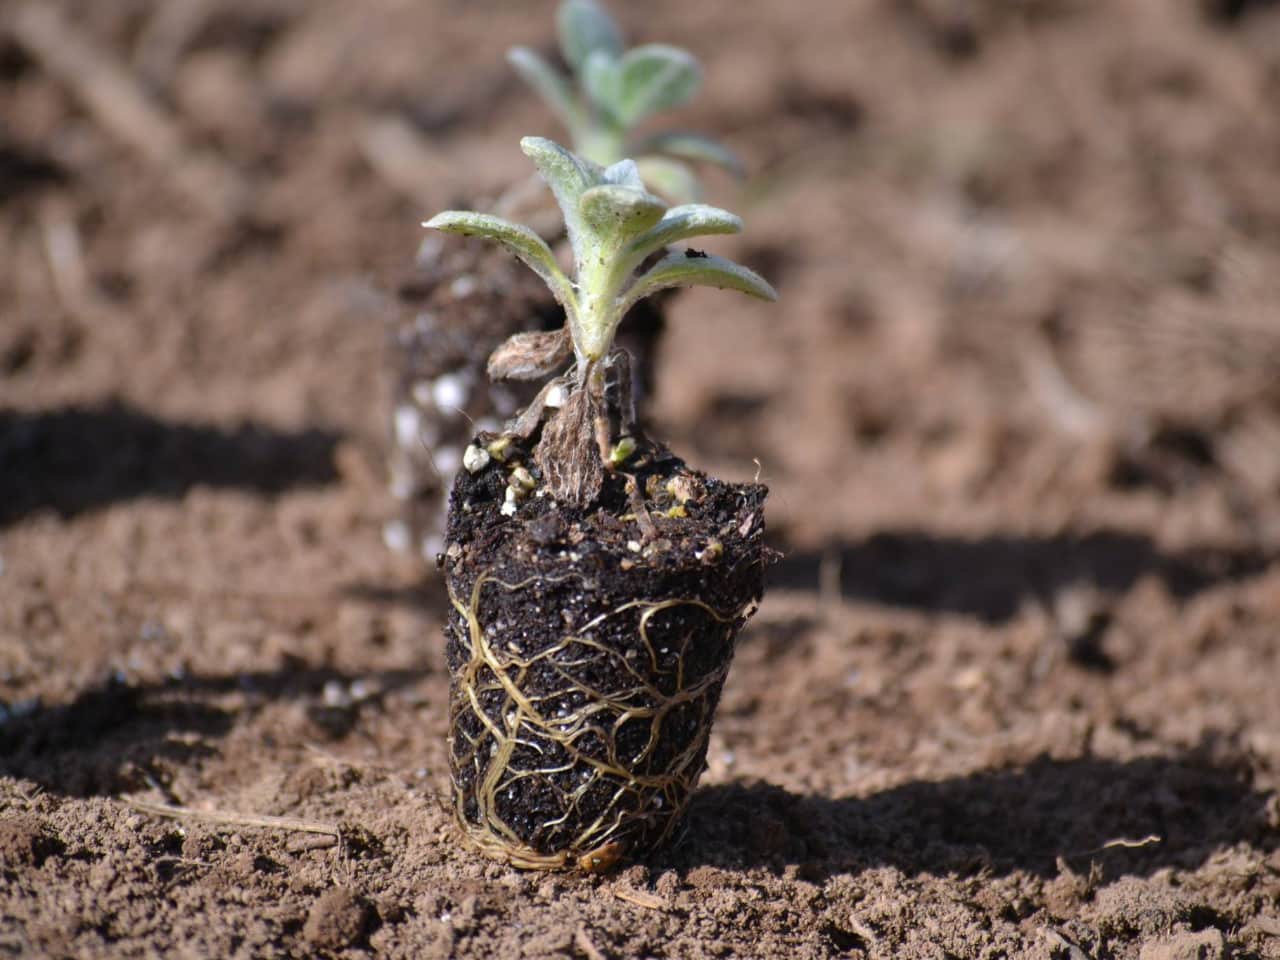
(1015, 689)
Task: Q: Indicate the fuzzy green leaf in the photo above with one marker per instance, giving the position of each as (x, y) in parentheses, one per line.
(550, 84)
(585, 27)
(691, 146)
(567, 175)
(683, 223)
(624, 173)
(655, 77)
(616, 211)
(673, 179)
(602, 81)
(516, 237)
(686, 269)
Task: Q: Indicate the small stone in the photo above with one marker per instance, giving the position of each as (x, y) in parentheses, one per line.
(408, 422)
(499, 448)
(711, 552)
(449, 392)
(395, 534)
(464, 286)
(475, 459)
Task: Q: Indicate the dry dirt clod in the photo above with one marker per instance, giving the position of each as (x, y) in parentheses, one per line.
(337, 920)
(1202, 945)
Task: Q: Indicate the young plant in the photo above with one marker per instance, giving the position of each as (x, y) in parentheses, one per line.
(598, 583)
(614, 226)
(613, 90)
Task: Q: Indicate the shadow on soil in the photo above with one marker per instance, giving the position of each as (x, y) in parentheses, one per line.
(992, 577)
(428, 595)
(78, 459)
(121, 738)
(1071, 811)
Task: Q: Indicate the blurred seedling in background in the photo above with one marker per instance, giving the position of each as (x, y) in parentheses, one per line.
(612, 90)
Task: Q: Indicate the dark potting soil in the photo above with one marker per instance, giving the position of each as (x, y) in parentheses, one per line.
(587, 659)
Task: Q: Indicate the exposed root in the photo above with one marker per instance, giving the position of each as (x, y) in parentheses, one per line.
(609, 763)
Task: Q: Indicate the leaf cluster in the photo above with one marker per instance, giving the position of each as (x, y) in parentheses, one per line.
(612, 90)
(614, 225)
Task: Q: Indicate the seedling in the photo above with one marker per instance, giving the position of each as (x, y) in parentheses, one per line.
(613, 90)
(598, 583)
(614, 226)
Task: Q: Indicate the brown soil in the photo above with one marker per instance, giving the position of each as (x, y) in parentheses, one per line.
(1014, 689)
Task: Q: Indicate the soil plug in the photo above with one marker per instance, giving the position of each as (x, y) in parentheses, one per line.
(593, 622)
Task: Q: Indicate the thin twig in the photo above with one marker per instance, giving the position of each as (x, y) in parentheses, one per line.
(583, 943)
(307, 844)
(64, 254)
(1069, 408)
(232, 819)
(640, 898)
(116, 98)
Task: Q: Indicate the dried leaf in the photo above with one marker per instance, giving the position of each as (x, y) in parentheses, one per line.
(530, 356)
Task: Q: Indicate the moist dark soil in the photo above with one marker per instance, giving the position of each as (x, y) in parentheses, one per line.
(1012, 689)
(588, 652)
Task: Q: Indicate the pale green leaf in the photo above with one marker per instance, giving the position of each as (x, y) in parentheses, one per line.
(602, 81)
(550, 84)
(688, 269)
(683, 223)
(617, 212)
(567, 175)
(624, 173)
(672, 179)
(516, 237)
(584, 28)
(655, 77)
(691, 146)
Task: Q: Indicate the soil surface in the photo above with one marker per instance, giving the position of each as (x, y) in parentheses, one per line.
(1014, 689)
